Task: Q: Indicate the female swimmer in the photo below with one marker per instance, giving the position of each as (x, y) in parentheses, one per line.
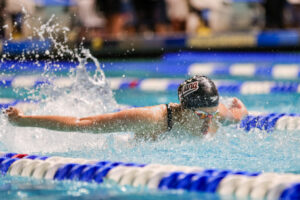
(199, 112)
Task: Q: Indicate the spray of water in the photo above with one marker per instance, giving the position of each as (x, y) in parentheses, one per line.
(89, 94)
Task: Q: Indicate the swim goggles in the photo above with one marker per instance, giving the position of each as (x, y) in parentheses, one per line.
(202, 115)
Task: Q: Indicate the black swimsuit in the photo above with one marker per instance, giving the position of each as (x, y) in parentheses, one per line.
(169, 117)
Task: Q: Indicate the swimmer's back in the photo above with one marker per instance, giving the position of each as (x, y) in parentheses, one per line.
(153, 121)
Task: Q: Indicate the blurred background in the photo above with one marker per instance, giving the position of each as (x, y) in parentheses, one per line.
(115, 27)
(235, 42)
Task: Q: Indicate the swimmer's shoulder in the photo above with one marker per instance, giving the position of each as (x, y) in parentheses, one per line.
(156, 112)
(174, 105)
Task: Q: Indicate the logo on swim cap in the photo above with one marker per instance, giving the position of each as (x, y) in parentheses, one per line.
(214, 98)
(199, 91)
(190, 88)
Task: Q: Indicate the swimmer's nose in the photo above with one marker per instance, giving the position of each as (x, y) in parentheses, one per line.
(209, 119)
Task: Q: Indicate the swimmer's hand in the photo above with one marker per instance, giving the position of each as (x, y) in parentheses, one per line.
(238, 109)
(233, 113)
(14, 115)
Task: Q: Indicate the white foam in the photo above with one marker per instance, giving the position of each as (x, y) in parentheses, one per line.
(63, 82)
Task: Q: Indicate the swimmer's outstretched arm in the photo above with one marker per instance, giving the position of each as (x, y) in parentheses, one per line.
(235, 113)
(136, 119)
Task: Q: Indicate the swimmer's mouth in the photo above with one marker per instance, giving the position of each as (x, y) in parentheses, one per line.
(204, 129)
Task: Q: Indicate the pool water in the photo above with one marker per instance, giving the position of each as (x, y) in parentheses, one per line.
(285, 103)
(231, 148)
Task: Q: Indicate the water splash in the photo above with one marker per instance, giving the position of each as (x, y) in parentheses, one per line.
(89, 94)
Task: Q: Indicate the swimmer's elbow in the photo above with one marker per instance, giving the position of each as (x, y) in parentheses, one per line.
(82, 125)
(91, 125)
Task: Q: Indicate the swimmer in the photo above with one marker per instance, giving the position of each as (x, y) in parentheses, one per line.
(199, 113)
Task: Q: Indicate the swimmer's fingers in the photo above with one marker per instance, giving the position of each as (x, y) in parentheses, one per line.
(11, 110)
(13, 113)
(7, 111)
(236, 103)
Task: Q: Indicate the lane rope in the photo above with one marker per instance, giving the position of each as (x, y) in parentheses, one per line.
(158, 84)
(240, 184)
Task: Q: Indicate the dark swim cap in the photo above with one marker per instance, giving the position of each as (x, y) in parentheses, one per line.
(198, 91)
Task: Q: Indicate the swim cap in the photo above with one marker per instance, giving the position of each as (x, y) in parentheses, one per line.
(198, 91)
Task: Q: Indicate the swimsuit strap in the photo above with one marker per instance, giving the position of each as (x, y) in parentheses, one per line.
(169, 117)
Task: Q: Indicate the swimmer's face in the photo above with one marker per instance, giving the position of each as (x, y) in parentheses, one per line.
(206, 114)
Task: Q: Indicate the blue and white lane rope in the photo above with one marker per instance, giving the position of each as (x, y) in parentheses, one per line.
(247, 87)
(278, 71)
(270, 122)
(159, 84)
(22, 104)
(264, 122)
(240, 184)
(179, 68)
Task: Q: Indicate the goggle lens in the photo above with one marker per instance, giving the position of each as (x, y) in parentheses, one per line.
(202, 115)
